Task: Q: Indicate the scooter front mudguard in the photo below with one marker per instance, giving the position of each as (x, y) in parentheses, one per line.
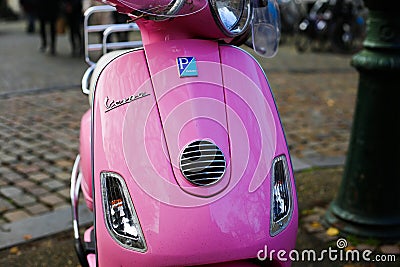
(148, 107)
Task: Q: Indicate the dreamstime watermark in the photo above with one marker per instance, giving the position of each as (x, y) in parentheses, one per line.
(331, 254)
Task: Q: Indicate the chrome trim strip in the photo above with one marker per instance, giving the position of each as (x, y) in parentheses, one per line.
(86, 79)
(204, 150)
(204, 178)
(193, 157)
(208, 161)
(76, 179)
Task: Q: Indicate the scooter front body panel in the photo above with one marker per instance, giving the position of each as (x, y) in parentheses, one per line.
(145, 114)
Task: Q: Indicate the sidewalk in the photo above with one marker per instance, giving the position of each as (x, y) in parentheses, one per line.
(41, 105)
(40, 108)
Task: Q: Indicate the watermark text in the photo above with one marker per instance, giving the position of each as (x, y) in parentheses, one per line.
(340, 253)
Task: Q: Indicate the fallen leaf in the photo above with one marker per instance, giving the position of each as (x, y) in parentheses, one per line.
(316, 225)
(330, 102)
(332, 231)
(14, 250)
(27, 237)
(350, 248)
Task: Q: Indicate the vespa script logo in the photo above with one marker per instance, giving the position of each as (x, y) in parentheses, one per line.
(112, 104)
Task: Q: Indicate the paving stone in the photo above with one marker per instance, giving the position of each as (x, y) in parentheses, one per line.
(26, 168)
(65, 163)
(51, 200)
(3, 182)
(16, 215)
(23, 199)
(43, 165)
(22, 143)
(63, 176)
(25, 183)
(42, 151)
(10, 191)
(53, 157)
(12, 177)
(54, 169)
(44, 142)
(18, 151)
(37, 209)
(29, 157)
(5, 205)
(62, 206)
(4, 170)
(72, 145)
(17, 195)
(6, 145)
(53, 184)
(38, 177)
(65, 192)
(7, 158)
(71, 155)
(37, 191)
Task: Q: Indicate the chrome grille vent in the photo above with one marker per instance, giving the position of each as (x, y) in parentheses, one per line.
(202, 163)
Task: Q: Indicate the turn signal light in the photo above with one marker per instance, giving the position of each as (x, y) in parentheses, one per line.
(121, 218)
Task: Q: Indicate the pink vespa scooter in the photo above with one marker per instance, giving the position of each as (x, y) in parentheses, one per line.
(183, 158)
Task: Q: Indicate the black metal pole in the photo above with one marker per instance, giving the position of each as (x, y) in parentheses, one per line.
(368, 201)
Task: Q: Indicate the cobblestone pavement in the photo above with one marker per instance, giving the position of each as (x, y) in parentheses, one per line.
(40, 108)
(41, 105)
(38, 140)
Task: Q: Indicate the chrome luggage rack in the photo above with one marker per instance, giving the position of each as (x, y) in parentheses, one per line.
(106, 45)
(107, 30)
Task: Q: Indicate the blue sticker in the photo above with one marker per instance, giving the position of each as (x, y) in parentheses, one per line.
(187, 66)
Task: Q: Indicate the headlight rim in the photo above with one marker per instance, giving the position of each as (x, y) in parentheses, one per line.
(244, 20)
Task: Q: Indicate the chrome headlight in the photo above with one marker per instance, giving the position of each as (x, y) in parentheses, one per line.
(281, 195)
(232, 16)
(121, 219)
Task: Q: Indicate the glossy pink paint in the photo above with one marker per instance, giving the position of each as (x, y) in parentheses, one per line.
(229, 103)
(86, 161)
